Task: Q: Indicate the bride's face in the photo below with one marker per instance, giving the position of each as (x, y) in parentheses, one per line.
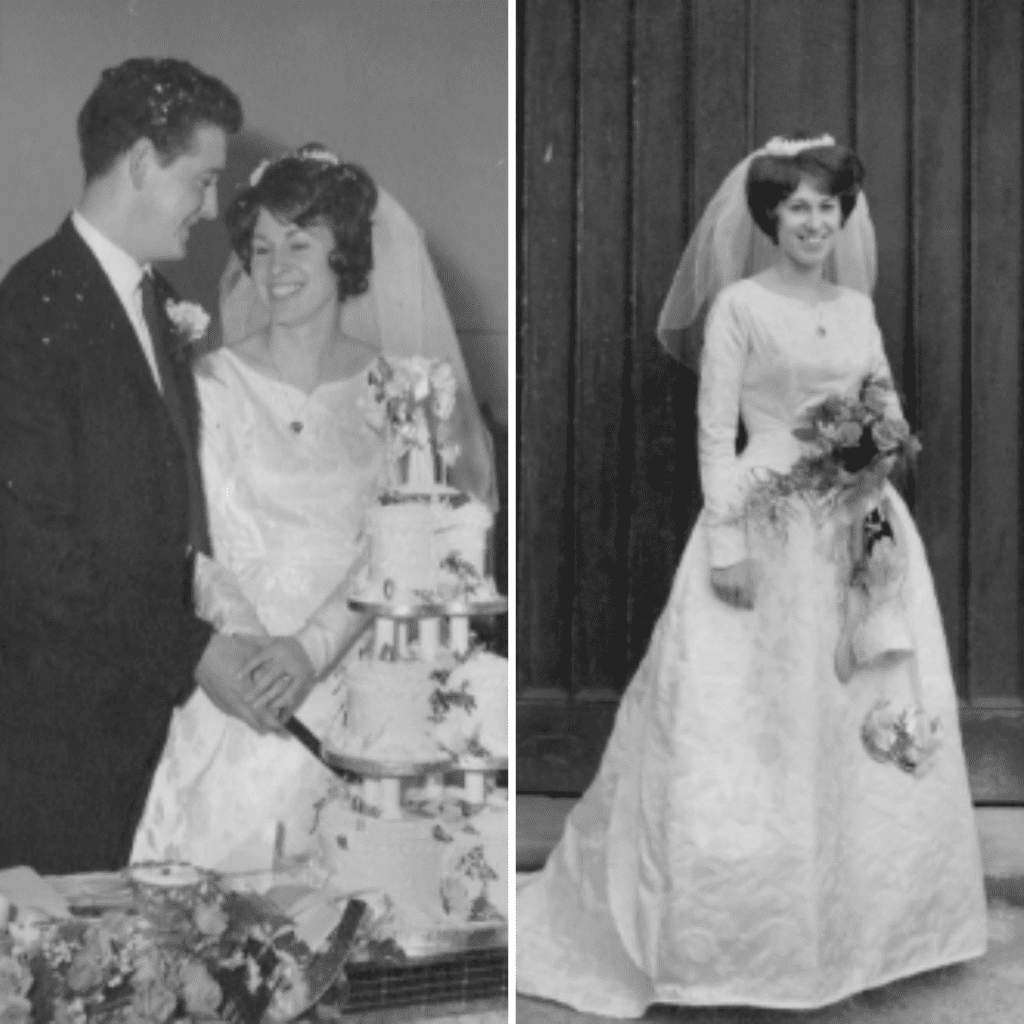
(808, 222)
(290, 268)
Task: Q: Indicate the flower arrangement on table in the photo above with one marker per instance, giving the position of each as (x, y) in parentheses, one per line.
(411, 400)
(198, 953)
(853, 443)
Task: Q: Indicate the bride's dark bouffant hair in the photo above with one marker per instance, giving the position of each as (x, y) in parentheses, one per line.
(302, 190)
(835, 170)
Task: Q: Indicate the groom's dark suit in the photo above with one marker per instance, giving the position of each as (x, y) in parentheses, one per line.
(98, 640)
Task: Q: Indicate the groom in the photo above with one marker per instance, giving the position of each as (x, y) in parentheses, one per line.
(101, 506)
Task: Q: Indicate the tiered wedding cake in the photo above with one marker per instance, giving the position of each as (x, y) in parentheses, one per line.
(424, 726)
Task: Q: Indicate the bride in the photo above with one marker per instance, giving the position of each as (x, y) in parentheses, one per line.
(781, 817)
(328, 274)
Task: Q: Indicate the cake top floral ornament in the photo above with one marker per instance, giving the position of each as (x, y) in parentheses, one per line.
(412, 402)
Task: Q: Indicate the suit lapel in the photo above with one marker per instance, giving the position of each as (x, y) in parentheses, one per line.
(108, 325)
(164, 349)
(100, 303)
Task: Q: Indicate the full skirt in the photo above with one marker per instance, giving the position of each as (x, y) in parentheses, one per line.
(739, 845)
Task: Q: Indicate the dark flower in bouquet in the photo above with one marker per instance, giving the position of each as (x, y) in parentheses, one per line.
(853, 437)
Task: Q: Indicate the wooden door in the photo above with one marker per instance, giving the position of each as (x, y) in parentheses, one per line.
(631, 113)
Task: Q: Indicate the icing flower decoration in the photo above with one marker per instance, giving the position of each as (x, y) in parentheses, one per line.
(189, 319)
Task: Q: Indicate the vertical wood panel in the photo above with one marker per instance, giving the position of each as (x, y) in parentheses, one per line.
(722, 119)
(545, 532)
(941, 267)
(803, 67)
(602, 345)
(663, 491)
(883, 133)
(994, 509)
(617, 159)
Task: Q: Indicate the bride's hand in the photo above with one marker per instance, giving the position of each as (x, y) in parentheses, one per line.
(281, 678)
(736, 584)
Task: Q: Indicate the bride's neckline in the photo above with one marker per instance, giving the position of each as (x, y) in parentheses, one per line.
(800, 300)
(276, 379)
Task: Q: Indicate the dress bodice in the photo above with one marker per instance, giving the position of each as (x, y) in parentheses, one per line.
(289, 478)
(767, 358)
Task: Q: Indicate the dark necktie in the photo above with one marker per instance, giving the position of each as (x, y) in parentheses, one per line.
(198, 537)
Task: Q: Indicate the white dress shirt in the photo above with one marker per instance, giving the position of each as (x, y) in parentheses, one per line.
(126, 277)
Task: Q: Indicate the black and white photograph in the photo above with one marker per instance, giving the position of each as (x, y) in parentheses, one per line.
(254, 420)
(769, 702)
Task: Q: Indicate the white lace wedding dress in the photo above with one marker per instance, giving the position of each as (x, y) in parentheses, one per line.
(738, 845)
(288, 479)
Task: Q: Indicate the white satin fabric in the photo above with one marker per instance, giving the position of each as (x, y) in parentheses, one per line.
(286, 514)
(738, 845)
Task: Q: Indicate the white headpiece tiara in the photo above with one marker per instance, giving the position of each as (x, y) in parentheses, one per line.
(781, 146)
(310, 151)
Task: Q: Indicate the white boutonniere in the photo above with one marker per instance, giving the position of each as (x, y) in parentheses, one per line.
(189, 319)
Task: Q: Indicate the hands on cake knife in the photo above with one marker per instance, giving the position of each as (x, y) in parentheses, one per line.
(281, 676)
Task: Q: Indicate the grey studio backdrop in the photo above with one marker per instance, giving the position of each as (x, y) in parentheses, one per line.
(415, 90)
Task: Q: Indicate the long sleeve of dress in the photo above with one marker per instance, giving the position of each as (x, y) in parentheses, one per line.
(880, 366)
(334, 626)
(218, 596)
(718, 408)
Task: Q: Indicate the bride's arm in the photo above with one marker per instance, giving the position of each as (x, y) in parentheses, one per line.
(333, 629)
(218, 597)
(286, 670)
(880, 368)
(718, 408)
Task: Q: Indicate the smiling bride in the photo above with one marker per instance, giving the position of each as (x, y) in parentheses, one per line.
(328, 274)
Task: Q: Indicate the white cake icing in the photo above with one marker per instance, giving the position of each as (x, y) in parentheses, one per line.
(439, 867)
(429, 545)
(414, 711)
(386, 715)
(471, 709)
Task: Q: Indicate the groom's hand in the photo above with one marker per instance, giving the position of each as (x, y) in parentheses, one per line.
(218, 674)
(282, 677)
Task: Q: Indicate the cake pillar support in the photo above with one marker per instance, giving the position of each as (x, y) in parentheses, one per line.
(429, 630)
(433, 786)
(391, 799)
(459, 639)
(476, 787)
(371, 792)
(383, 635)
(402, 639)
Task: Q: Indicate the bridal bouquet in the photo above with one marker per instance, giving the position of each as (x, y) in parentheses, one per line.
(852, 443)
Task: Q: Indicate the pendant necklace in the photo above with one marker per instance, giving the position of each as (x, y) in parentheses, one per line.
(820, 329)
(295, 423)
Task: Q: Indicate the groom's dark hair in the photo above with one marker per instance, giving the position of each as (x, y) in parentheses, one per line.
(163, 100)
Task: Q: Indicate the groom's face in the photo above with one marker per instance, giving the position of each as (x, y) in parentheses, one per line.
(183, 192)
